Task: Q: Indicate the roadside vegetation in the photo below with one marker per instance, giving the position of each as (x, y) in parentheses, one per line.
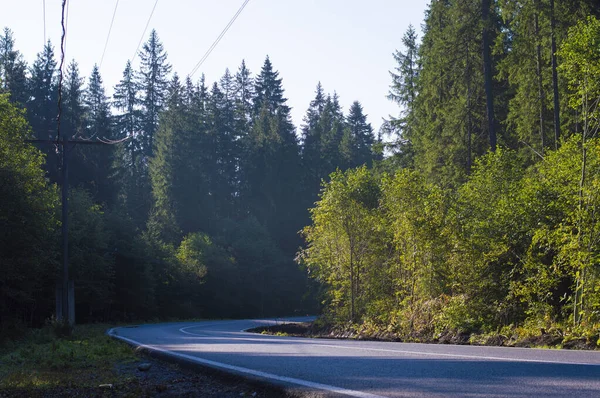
(40, 360)
(471, 242)
(88, 363)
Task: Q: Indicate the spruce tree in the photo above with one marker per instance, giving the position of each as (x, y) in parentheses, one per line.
(312, 161)
(153, 82)
(451, 118)
(165, 167)
(129, 168)
(42, 105)
(244, 94)
(358, 138)
(270, 163)
(13, 67)
(404, 91)
(98, 126)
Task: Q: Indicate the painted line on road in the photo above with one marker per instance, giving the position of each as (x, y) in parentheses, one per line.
(433, 354)
(464, 356)
(258, 373)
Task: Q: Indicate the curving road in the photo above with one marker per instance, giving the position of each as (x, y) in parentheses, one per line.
(373, 369)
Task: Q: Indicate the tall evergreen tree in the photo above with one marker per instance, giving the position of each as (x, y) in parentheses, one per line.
(42, 105)
(165, 167)
(244, 94)
(269, 92)
(270, 163)
(13, 68)
(129, 168)
(72, 123)
(357, 142)
(451, 123)
(98, 125)
(312, 161)
(403, 91)
(331, 126)
(153, 83)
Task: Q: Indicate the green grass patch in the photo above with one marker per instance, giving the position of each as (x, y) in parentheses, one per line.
(40, 360)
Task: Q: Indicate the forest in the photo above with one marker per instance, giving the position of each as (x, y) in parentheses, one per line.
(485, 218)
(473, 209)
(189, 207)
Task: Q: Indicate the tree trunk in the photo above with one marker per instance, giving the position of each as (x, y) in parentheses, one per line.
(539, 78)
(554, 77)
(469, 131)
(487, 72)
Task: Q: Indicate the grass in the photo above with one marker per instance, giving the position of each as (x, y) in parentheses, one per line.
(40, 360)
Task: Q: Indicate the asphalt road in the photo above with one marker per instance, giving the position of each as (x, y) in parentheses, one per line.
(373, 369)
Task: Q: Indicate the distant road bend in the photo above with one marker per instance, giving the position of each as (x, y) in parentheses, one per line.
(373, 369)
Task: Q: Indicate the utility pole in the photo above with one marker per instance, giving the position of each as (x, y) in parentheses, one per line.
(66, 147)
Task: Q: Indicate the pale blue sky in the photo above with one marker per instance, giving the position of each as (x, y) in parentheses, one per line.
(345, 44)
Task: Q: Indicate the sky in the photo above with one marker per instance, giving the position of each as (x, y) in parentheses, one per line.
(347, 45)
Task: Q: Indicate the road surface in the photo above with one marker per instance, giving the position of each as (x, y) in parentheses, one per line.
(373, 369)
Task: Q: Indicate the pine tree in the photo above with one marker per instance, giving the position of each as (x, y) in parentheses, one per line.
(222, 116)
(451, 117)
(358, 140)
(269, 92)
(244, 94)
(153, 83)
(185, 170)
(404, 91)
(98, 125)
(42, 105)
(72, 124)
(129, 168)
(13, 68)
(312, 161)
(331, 125)
(270, 163)
(165, 167)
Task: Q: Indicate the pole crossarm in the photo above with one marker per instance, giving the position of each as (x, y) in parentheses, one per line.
(65, 311)
(54, 142)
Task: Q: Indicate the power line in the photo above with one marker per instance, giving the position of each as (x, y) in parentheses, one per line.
(60, 69)
(44, 8)
(108, 36)
(66, 27)
(144, 33)
(212, 47)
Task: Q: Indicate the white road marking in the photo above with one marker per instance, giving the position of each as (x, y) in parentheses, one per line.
(459, 355)
(258, 373)
(465, 356)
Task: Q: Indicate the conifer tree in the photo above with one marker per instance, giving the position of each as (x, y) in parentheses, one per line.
(244, 94)
(331, 126)
(312, 161)
(451, 117)
(42, 104)
(13, 79)
(153, 83)
(165, 167)
(270, 163)
(404, 91)
(98, 125)
(74, 110)
(358, 140)
(129, 168)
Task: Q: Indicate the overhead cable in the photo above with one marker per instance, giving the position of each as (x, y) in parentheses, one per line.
(218, 39)
(44, 11)
(108, 36)
(144, 33)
